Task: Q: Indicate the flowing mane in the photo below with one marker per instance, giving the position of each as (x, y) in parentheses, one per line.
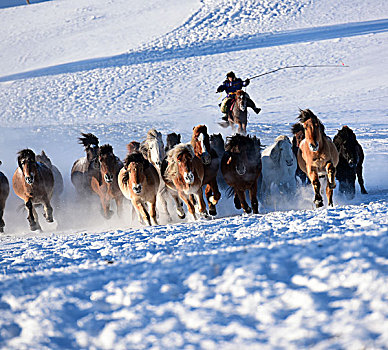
(88, 139)
(105, 150)
(346, 134)
(297, 127)
(237, 142)
(307, 114)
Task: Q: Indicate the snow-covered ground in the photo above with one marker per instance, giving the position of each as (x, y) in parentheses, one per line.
(291, 278)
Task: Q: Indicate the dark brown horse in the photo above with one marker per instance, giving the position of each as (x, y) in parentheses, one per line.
(172, 140)
(351, 158)
(106, 184)
(241, 168)
(86, 167)
(317, 156)
(4, 192)
(183, 173)
(139, 182)
(58, 179)
(298, 131)
(133, 147)
(211, 162)
(34, 183)
(238, 112)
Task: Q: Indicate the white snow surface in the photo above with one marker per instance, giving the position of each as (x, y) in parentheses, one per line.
(290, 277)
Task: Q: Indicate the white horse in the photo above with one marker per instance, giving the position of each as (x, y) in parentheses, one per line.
(278, 169)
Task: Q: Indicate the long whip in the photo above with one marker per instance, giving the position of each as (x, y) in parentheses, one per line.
(301, 66)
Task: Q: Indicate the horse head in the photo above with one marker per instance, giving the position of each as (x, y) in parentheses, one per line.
(201, 144)
(180, 163)
(135, 165)
(27, 164)
(346, 144)
(313, 128)
(42, 158)
(133, 147)
(172, 140)
(282, 153)
(90, 143)
(217, 143)
(241, 100)
(153, 148)
(108, 163)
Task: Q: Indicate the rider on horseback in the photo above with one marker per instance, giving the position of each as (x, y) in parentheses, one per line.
(231, 85)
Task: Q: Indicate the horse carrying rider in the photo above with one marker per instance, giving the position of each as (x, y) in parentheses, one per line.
(231, 85)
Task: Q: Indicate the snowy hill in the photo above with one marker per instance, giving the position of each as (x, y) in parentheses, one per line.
(294, 278)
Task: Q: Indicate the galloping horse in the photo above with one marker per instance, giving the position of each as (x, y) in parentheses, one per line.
(106, 184)
(241, 168)
(58, 179)
(4, 192)
(183, 173)
(34, 183)
(278, 168)
(86, 167)
(298, 132)
(351, 157)
(139, 182)
(238, 113)
(317, 156)
(211, 163)
(153, 150)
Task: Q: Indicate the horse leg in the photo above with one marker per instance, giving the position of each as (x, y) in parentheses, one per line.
(162, 196)
(330, 170)
(48, 210)
(213, 195)
(244, 204)
(329, 195)
(360, 178)
(153, 211)
(253, 197)
(2, 223)
(201, 203)
(313, 176)
(142, 213)
(34, 224)
(190, 205)
(236, 201)
(119, 205)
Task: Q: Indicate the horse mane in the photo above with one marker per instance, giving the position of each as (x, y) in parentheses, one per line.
(133, 147)
(306, 115)
(200, 129)
(153, 134)
(105, 150)
(346, 134)
(88, 139)
(26, 154)
(297, 127)
(42, 158)
(136, 157)
(172, 139)
(252, 144)
(171, 158)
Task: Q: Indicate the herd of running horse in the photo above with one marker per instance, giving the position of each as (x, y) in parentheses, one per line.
(178, 173)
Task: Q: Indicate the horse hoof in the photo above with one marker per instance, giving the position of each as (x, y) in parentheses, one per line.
(181, 216)
(248, 210)
(204, 215)
(35, 227)
(212, 212)
(364, 191)
(50, 219)
(318, 204)
(237, 203)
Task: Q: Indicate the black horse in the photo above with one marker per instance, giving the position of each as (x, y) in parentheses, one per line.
(298, 132)
(172, 140)
(351, 158)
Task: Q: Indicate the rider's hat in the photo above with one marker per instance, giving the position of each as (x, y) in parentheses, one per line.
(231, 75)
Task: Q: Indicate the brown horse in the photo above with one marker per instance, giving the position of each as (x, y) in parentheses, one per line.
(34, 183)
(4, 192)
(139, 182)
(86, 167)
(58, 179)
(183, 173)
(238, 112)
(106, 184)
(211, 162)
(241, 168)
(317, 156)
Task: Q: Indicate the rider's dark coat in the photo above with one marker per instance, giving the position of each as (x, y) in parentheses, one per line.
(232, 86)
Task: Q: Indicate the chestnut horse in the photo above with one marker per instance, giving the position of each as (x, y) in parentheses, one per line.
(317, 156)
(4, 192)
(34, 183)
(183, 173)
(351, 158)
(58, 179)
(86, 167)
(139, 182)
(211, 163)
(241, 168)
(106, 184)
